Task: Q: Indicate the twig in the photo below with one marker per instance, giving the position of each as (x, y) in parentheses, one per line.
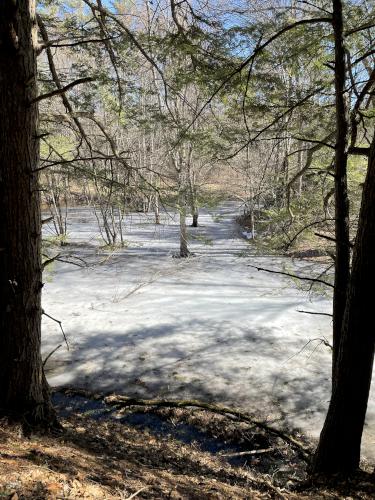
(321, 341)
(136, 493)
(73, 263)
(315, 280)
(288, 245)
(324, 236)
(330, 238)
(252, 452)
(49, 260)
(57, 43)
(60, 324)
(361, 27)
(312, 312)
(45, 221)
(51, 353)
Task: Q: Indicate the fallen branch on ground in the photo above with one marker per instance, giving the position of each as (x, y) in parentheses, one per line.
(125, 402)
(136, 493)
(251, 452)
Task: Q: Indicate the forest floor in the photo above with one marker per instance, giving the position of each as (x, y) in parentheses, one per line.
(142, 323)
(108, 459)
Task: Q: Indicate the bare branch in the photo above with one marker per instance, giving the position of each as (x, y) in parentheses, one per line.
(304, 278)
(271, 124)
(355, 150)
(330, 238)
(45, 221)
(353, 115)
(62, 90)
(57, 44)
(50, 354)
(362, 27)
(60, 325)
(304, 229)
(50, 260)
(317, 314)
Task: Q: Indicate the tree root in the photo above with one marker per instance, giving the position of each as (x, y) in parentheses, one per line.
(125, 402)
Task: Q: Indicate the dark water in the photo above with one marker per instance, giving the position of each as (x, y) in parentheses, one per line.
(185, 433)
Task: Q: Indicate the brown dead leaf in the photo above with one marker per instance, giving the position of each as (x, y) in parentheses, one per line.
(53, 488)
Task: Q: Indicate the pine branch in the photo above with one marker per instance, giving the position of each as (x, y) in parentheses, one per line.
(259, 49)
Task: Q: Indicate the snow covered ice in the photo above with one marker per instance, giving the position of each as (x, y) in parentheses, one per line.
(140, 322)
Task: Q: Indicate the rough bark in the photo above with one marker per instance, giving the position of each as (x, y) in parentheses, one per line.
(342, 261)
(23, 388)
(340, 440)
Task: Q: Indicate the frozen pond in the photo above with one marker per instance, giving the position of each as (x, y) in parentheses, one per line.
(140, 322)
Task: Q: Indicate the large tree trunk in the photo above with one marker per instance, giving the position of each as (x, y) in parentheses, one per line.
(340, 440)
(23, 388)
(342, 261)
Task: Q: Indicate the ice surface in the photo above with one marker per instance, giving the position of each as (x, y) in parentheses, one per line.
(141, 322)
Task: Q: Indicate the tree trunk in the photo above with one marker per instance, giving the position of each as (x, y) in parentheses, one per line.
(184, 251)
(23, 388)
(342, 261)
(340, 440)
(182, 188)
(195, 216)
(156, 208)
